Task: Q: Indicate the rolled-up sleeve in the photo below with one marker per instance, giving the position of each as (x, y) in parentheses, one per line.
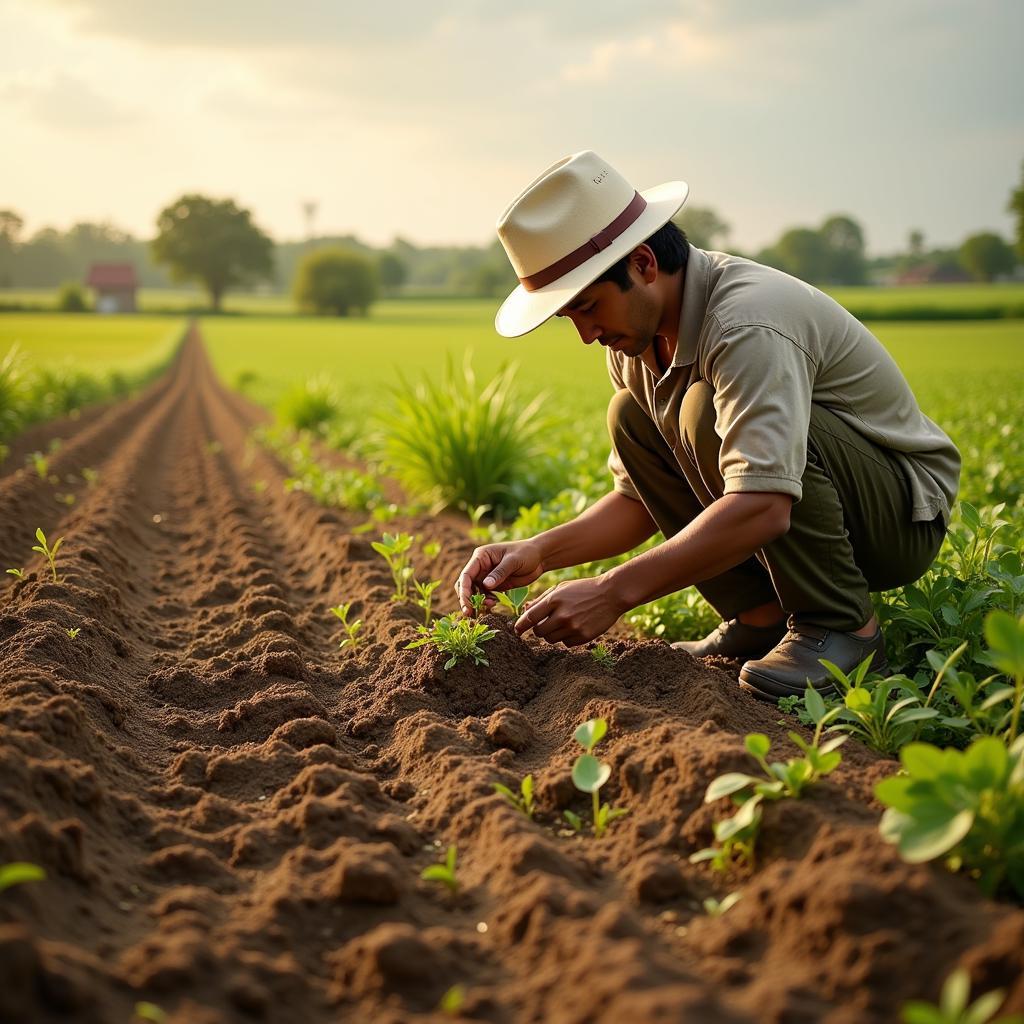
(763, 383)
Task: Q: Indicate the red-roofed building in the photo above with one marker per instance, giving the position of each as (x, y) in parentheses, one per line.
(114, 284)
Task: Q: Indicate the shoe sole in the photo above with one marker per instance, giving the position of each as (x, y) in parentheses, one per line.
(771, 690)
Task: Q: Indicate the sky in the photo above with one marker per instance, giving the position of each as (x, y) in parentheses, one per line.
(424, 119)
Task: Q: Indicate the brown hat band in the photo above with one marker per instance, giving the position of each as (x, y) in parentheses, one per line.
(590, 248)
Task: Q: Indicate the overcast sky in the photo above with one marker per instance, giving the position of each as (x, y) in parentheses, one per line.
(425, 119)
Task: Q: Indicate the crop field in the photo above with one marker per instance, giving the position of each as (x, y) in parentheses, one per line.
(255, 766)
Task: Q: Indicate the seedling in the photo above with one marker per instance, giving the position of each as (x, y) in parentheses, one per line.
(19, 872)
(513, 599)
(443, 872)
(432, 549)
(603, 656)
(425, 597)
(150, 1012)
(17, 573)
(522, 803)
(66, 499)
(90, 476)
(352, 629)
(478, 601)
(395, 550)
(73, 632)
(1005, 636)
(716, 908)
(453, 1000)
(459, 637)
(40, 463)
(50, 553)
(953, 1008)
(589, 775)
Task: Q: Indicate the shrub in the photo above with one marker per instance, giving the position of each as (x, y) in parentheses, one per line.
(309, 406)
(71, 298)
(335, 281)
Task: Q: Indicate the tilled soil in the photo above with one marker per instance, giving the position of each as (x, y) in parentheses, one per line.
(233, 815)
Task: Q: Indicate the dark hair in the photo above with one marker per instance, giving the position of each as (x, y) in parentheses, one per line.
(670, 248)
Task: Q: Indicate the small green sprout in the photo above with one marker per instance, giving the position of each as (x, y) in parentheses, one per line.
(73, 632)
(150, 1012)
(453, 1000)
(432, 549)
(444, 872)
(17, 573)
(40, 463)
(352, 629)
(66, 499)
(522, 803)
(589, 775)
(575, 820)
(44, 549)
(953, 1008)
(90, 476)
(477, 601)
(716, 908)
(459, 637)
(603, 656)
(513, 599)
(19, 872)
(425, 597)
(395, 550)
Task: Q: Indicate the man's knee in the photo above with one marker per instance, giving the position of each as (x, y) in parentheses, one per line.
(625, 417)
(697, 417)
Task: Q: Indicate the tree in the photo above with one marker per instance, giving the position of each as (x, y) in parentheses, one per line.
(10, 228)
(986, 255)
(335, 281)
(703, 227)
(801, 252)
(1016, 207)
(214, 242)
(844, 245)
(392, 272)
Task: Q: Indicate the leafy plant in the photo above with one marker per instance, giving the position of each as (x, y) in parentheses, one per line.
(513, 599)
(90, 476)
(444, 872)
(425, 597)
(19, 872)
(150, 1012)
(40, 463)
(17, 573)
(352, 629)
(73, 632)
(1005, 636)
(964, 806)
(602, 656)
(309, 406)
(477, 601)
(716, 908)
(524, 801)
(395, 550)
(589, 775)
(953, 1008)
(453, 999)
(432, 549)
(458, 636)
(50, 553)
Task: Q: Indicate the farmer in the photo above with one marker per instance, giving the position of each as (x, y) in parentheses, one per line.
(755, 422)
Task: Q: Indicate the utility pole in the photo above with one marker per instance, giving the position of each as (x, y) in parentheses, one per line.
(309, 208)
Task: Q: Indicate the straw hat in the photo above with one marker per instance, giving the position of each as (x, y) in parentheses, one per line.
(568, 227)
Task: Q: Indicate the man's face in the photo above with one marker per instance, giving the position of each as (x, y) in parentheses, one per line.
(623, 321)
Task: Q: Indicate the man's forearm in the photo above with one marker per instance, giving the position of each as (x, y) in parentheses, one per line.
(611, 526)
(725, 534)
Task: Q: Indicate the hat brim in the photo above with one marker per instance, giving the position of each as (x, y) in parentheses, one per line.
(524, 311)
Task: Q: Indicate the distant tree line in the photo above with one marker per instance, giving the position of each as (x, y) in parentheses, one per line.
(215, 244)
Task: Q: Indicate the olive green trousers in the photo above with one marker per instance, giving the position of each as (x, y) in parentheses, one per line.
(850, 532)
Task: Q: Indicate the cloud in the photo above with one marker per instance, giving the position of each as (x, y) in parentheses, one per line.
(64, 101)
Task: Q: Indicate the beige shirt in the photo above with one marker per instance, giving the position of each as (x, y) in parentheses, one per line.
(770, 345)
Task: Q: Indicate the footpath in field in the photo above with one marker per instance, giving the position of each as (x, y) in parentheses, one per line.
(233, 815)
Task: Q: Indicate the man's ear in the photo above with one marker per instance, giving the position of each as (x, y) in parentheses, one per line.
(644, 262)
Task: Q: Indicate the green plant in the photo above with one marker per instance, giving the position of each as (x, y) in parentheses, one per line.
(425, 597)
(17, 573)
(737, 835)
(453, 999)
(40, 463)
(716, 908)
(310, 405)
(50, 553)
(458, 636)
(395, 550)
(953, 1008)
(589, 775)
(73, 632)
(19, 872)
(965, 806)
(513, 599)
(602, 656)
(150, 1012)
(1005, 636)
(352, 629)
(478, 602)
(524, 801)
(432, 549)
(444, 872)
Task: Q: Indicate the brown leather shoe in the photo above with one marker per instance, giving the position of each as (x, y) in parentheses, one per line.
(735, 639)
(795, 662)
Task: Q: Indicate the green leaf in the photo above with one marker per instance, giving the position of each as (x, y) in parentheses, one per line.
(922, 760)
(858, 698)
(757, 744)
(526, 787)
(590, 733)
(18, 872)
(983, 1009)
(1005, 637)
(574, 820)
(815, 704)
(986, 763)
(589, 774)
(926, 837)
(725, 785)
(917, 1012)
(955, 992)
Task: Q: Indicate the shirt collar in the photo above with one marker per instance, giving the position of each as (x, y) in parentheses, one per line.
(696, 282)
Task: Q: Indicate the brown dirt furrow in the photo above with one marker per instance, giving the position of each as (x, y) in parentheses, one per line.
(233, 814)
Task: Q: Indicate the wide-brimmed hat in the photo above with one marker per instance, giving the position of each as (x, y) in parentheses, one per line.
(568, 227)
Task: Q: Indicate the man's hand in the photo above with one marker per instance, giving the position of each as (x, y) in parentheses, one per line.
(499, 567)
(573, 612)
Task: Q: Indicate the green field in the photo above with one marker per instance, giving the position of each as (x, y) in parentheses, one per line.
(95, 344)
